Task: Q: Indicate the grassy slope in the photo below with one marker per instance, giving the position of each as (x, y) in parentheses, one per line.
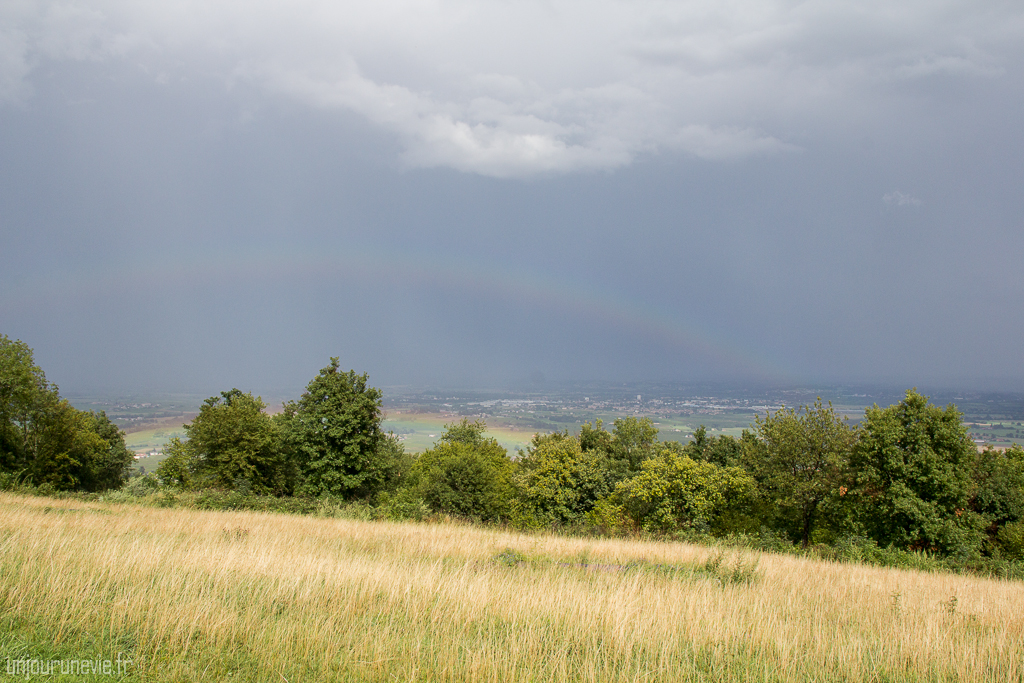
(192, 595)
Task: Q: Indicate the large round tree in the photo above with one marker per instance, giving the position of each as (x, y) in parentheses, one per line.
(913, 464)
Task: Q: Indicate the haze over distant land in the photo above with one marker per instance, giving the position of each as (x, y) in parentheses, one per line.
(486, 194)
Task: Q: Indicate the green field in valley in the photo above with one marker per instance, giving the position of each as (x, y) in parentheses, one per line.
(420, 431)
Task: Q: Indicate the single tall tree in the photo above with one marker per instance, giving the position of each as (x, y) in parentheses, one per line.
(333, 433)
(799, 463)
(914, 463)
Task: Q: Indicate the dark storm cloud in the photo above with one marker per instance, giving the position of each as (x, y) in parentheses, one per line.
(198, 196)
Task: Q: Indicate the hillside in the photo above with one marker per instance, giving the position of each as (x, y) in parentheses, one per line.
(191, 595)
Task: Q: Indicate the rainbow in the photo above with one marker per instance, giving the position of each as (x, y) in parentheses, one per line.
(685, 338)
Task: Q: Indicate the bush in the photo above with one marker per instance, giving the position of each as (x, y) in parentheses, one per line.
(510, 557)
(142, 486)
(559, 483)
(609, 517)
(673, 492)
(13, 481)
(402, 505)
(464, 475)
(457, 479)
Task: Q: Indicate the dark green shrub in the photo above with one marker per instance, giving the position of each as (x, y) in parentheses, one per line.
(510, 557)
(1011, 540)
(559, 483)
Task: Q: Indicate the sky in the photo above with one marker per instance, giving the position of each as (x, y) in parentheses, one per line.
(196, 196)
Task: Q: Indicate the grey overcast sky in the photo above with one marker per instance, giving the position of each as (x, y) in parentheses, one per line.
(199, 195)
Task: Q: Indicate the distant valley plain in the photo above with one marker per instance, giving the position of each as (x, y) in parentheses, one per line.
(418, 417)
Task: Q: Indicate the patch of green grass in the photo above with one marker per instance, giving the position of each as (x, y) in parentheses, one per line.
(31, 649)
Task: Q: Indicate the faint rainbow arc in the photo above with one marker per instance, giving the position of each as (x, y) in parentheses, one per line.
(525, 286)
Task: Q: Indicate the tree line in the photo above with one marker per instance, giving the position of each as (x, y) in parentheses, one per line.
(907, 476)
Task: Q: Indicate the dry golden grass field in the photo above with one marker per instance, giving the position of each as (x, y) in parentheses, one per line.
(194, 596)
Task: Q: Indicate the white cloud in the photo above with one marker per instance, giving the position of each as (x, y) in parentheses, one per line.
(726, 143)
(537, 86)
(13, 66)
(897, 198)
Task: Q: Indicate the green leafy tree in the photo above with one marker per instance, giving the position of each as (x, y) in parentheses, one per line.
(722, 450)
(395, 462)
(913, 465)
(594, 437)
(998, 495)
(44, 440)
(24, 396)
(465, 431)
(700, 442)
(112, 469)
(624, 449)
(800, 464)
(74, 450)
(673, 491)
(634, 441)
(559, 482)
(334, 437)
(232, 443)
(180, 466)
(64, 448)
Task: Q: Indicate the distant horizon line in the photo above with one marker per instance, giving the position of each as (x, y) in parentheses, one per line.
(979, 386)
